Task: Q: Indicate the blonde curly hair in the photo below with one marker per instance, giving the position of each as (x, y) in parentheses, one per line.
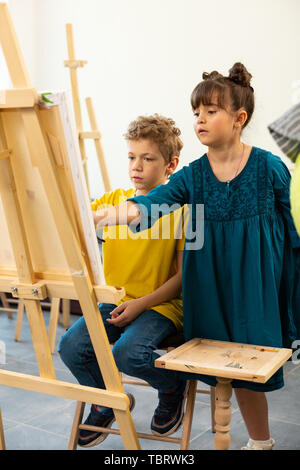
(158, 129)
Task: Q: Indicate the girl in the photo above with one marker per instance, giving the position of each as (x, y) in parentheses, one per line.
(237, 287)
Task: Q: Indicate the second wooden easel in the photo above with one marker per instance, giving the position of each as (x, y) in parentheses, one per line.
(94, 134)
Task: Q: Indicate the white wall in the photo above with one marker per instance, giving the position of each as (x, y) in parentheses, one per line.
(25, 19)
(147, 56)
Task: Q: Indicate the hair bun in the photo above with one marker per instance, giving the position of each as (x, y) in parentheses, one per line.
(240, 75)
(212, 75)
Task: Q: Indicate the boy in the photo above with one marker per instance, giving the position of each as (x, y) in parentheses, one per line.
(148, 266)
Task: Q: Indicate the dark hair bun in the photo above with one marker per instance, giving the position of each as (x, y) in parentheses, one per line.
(240, 75)
(212, 75)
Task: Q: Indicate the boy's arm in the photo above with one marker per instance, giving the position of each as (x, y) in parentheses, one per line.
(128, 311)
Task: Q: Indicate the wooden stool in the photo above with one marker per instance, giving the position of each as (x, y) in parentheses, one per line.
(225, 361)
(168, 344)
(2, 441)
(6, 305)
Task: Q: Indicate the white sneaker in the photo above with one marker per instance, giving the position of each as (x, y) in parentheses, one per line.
(259, 445)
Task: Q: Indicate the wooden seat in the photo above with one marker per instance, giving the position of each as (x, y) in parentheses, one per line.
(168, 344)
(226, 361)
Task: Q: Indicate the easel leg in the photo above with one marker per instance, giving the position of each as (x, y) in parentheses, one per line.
(127, 429)
(39, 338)
(2, 441)
(223, 413)
(98, 146)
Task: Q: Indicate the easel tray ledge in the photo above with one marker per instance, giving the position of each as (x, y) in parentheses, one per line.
(57, 289)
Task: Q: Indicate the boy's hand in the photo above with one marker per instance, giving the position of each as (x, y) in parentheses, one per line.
(126, 312)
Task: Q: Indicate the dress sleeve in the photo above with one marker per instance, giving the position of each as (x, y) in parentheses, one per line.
(163, 199)
(281, 179)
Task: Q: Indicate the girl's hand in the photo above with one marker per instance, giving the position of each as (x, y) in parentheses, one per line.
(96, 218)
(122, 214)
(126, 312)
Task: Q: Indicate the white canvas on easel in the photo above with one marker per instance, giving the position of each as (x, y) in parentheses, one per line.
(71, 148)
(40, 220)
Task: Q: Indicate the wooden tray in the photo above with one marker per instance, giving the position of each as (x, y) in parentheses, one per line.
(225, 359)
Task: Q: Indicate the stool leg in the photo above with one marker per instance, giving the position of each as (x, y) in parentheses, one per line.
(5, 304)
(213, 408)
(66, 306)
(75, 427)
(188, 417)
(223, 413)
(2, 441)
(54, 314)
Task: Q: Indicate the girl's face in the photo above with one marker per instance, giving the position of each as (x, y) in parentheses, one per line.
(214, 126)
(147, 166)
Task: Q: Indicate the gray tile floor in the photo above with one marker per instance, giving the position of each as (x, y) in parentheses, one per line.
(34, 421)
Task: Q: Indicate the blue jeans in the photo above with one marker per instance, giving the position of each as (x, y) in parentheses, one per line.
(133, 350)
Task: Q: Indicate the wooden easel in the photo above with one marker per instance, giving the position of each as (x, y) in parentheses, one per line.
(34, 148)
(94, 134)
(2, 440)
(72, 63)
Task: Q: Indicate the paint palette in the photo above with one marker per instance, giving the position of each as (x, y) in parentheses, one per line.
(225, 359)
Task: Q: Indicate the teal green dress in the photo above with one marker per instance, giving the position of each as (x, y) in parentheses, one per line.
(239, 260)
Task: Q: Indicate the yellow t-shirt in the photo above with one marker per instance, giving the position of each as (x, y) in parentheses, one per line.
(142, 262)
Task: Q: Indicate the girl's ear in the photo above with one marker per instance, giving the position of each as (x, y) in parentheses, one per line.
(241, 117)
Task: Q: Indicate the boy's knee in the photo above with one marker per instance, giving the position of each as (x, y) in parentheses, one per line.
(73, 342)
(131, 359)
(66, 347)
(62, 346)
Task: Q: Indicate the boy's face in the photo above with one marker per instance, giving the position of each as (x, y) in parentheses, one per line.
(147, 167)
